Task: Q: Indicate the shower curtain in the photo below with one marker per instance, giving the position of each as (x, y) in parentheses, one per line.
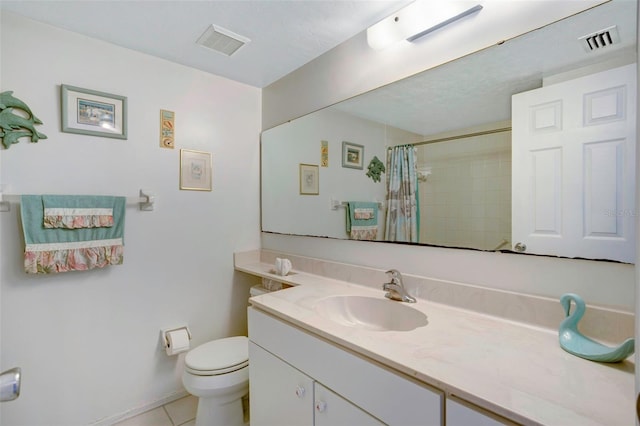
(402, 218)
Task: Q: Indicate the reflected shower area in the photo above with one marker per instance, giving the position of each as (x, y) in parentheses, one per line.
(464, 189)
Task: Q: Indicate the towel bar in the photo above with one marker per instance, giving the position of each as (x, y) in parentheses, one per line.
(335, 204)
(145, 200)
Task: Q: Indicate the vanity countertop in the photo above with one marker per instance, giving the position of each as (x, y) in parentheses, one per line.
(513, 369)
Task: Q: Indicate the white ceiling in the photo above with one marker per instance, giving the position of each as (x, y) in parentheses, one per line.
(284, 34)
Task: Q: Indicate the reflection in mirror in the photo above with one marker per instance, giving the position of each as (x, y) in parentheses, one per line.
(490, 171)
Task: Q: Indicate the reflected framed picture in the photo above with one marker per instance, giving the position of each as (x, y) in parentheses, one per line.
(93, 113)
(309, 179)
(352, 155)
(195, 170)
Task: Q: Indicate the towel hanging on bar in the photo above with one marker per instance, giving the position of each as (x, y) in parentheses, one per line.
(52, 250)
(362, 220)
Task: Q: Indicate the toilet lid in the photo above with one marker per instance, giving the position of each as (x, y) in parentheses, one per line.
(218, 356)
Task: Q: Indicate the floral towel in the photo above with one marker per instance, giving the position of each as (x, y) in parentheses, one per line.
(362, 220)
(363, 214)
(62, 249)
(78, 211)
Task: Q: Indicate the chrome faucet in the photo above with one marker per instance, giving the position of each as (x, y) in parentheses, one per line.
(395, 289)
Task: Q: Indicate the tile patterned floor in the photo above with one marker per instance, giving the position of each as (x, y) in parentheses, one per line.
(181, 412)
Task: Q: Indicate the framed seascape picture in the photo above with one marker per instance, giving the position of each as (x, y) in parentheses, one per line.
(309, 179)
(93, 113)
(352, 155)
(195, 170)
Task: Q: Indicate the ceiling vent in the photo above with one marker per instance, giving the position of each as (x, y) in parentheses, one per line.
(222, 40)
(600, 39)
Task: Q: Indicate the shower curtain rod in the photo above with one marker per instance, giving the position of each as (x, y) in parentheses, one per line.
(463, 136)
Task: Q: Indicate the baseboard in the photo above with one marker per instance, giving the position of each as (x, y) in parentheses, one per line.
(141, 409)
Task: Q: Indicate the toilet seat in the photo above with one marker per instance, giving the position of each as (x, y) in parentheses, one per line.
(218, 356)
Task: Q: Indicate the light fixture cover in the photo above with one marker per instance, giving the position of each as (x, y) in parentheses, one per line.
(222, 40)
(418, 19)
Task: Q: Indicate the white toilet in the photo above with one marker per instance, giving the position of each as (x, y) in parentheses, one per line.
(217, 372)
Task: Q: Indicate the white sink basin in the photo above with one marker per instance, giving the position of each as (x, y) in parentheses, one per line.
(370, 313)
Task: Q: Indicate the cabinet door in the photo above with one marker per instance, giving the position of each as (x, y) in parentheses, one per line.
(333, 410)
(462, 413)
(279, 394)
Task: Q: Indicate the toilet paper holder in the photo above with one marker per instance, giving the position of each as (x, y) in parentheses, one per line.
(165, 338)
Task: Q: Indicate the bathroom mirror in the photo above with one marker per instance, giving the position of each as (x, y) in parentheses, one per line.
(459, 118)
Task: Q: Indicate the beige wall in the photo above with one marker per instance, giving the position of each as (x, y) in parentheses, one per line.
(89, 342)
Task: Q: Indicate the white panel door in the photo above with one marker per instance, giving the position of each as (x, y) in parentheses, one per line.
(279, 394)
(574, 167)
(333, 410)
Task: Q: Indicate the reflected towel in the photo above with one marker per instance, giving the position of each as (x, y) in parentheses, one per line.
(51, 250)
(362, 220)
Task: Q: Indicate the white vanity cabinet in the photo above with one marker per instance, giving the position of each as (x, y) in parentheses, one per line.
(340, 386)
(462, 413)
(282, 395)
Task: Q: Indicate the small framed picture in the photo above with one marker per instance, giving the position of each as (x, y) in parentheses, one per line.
(195, 170)
(309, 179)
(352, 155)
(93, 113)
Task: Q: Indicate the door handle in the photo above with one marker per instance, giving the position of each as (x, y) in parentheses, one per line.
(321, 406)
(520, 247)
(10, 384)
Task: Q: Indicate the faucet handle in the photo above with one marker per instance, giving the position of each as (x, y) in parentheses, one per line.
(395, 275)
(395, 289)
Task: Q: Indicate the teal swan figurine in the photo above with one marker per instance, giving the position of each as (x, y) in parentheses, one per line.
(572, 341)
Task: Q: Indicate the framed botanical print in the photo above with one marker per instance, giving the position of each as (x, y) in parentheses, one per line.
(195, 170)
(309, 179)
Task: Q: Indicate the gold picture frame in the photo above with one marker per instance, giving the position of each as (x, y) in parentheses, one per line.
(195, 170)
(309, 179)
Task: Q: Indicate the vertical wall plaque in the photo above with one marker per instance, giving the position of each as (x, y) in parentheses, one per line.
(167, 129)
(324, 153)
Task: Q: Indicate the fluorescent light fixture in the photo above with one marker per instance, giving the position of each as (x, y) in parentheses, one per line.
(419, 19)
